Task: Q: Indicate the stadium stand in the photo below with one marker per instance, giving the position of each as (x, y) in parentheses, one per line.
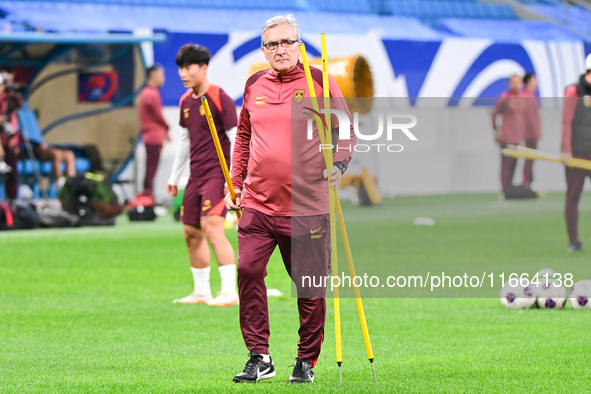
(449, 9)
(87, 17)
(348, 6)
(432, 12)
(554, 2)
(507, 30)
(351, 6)
(414, 19)
(574, 16)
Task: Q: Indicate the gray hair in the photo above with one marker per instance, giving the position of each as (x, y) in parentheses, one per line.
(279, 20)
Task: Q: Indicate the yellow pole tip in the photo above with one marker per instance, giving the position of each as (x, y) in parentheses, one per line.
(203, 98)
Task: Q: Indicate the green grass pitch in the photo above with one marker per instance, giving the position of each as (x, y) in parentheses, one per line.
(89, 310)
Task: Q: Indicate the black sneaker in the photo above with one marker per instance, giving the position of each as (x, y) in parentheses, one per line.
(302, 372)
(575, 246)
(255, 369)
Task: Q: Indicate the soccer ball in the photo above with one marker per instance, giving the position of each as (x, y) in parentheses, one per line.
(580, 294)
(517, 297)
(542, 273)
(551, 295)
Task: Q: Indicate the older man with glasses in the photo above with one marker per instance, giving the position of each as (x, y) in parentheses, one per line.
(284, 196)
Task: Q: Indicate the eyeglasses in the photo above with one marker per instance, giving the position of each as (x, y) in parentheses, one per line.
(272, 45)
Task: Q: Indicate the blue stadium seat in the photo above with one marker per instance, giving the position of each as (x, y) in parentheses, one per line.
(361, 6)
(430, 9)
(544, 2)
(222, 4)
(575, 17)
(507, 30)
(349, 6)
(27, 167)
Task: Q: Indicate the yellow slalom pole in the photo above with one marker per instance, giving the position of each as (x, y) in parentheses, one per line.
(534, 154)
(573, 162)
(334, 197)
(353, 274)
(331, 196)
(218, 149)
(333, 225)
(339, 211)
(327, 155)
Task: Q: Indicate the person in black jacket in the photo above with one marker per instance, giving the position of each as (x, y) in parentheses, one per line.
(576, 142)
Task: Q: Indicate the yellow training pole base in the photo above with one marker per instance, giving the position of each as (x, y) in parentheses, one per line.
(374, 370)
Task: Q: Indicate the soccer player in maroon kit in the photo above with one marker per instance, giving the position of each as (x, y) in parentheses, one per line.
(203, 210)
(285, 204)
(533, 126)
(153, 125)
(511, 106)
(576, 142)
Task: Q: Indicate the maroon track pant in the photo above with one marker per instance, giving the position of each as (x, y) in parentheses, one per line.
(575, 178)
(10, 179)
(528, 173)
(509, 163)
(152, 160)
(304, 244)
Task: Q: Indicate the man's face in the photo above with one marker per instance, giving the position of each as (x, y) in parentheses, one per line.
(285, 57)
(192, 75)
(532, 84)
(158, 76)
(515, 83)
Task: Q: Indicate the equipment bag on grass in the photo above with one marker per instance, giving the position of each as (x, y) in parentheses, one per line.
(19, 215)
(25, 216)
(141, 208)
(89, 195)
(54, 217)
(142, 214)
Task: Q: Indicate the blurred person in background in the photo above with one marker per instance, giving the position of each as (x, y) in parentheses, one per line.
(4, 168)
(512, 108)
(576, 142)
(57, 157)
(533, 124)
(154, 128)
(10, 102)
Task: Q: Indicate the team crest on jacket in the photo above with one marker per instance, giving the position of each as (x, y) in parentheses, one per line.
(587, 101)
(202, 110)
(298, 95)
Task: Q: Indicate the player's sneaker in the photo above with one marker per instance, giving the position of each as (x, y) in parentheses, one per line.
(60, 182)
(224, 299)
(302, 372)
(4, 168)
(575, 246)
(194, 298)
(255, 369)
